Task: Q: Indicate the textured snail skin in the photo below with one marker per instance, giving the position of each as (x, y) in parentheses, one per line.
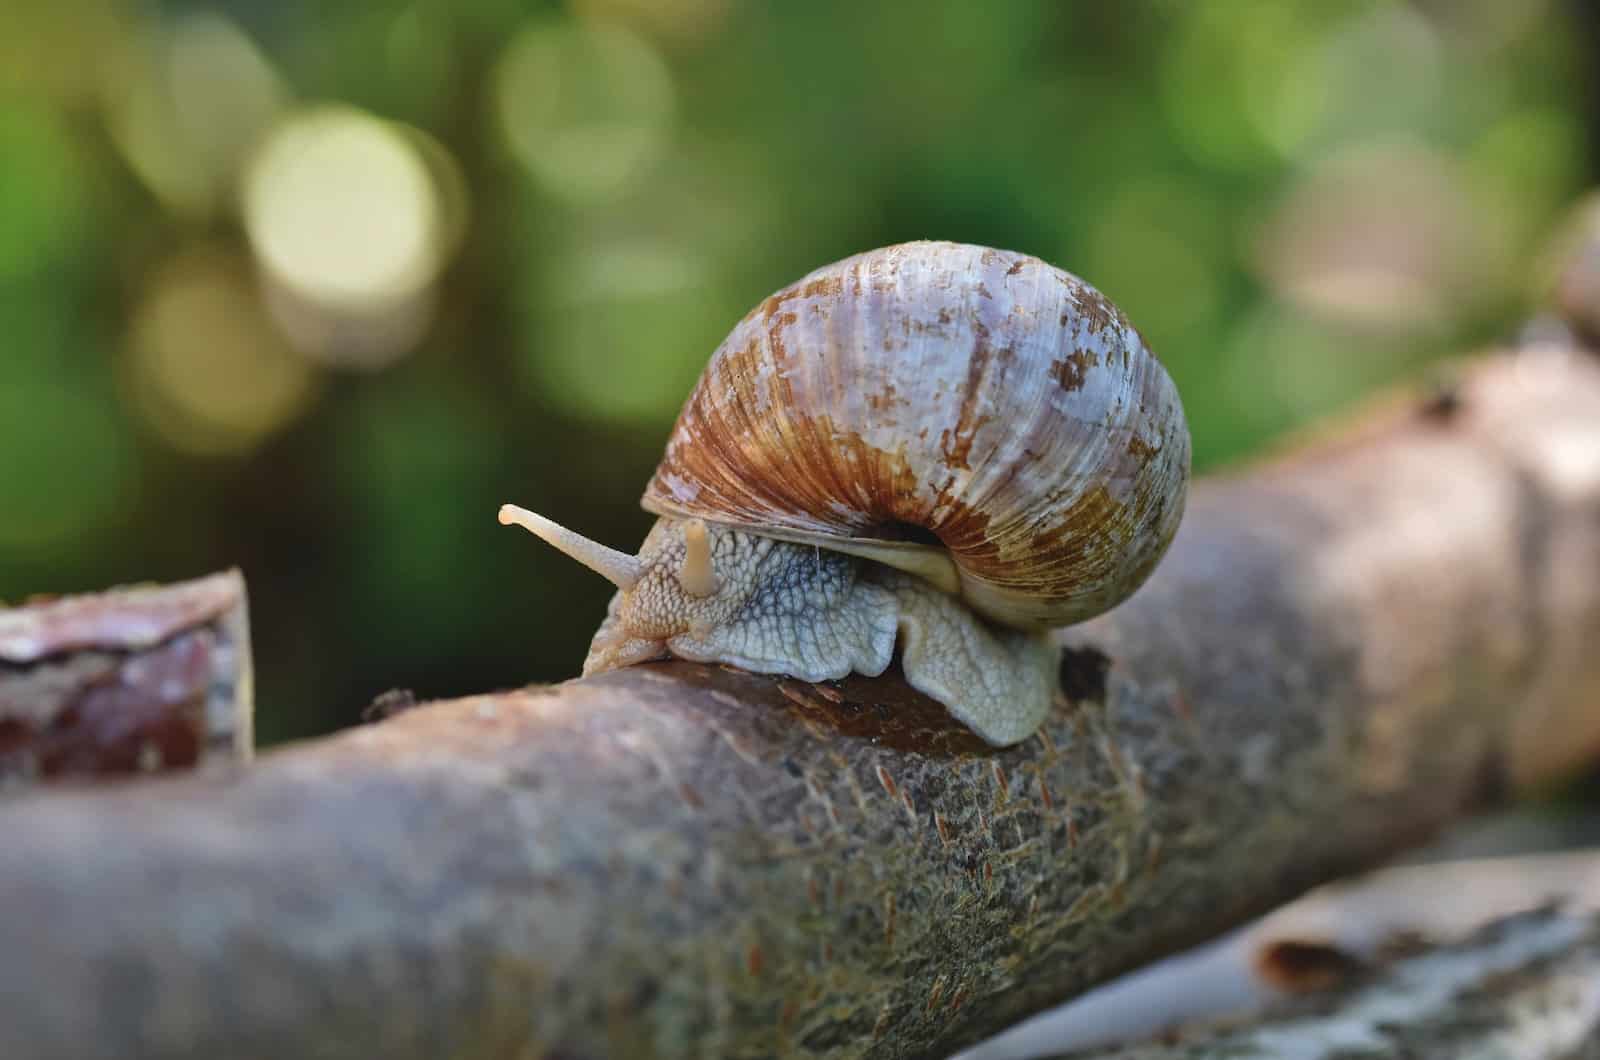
(819, 615)
(949, 445)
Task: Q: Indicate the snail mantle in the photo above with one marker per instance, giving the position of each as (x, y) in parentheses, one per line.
(949, 446)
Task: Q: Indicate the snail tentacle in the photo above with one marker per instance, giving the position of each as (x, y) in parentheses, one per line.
(697, 574)
(618, 568)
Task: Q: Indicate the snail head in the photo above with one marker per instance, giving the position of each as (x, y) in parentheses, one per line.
(685, 581)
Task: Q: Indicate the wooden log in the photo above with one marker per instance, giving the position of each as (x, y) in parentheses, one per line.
(1525, 986)
(1347, 648)
(142, 679)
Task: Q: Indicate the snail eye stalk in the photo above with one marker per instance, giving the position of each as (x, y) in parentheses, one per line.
(618, 568)
(696, 575)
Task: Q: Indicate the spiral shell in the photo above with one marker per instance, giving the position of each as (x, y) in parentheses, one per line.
(982, 397)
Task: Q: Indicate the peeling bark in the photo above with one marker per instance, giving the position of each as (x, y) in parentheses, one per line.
(1345, 649)
(143, 679)
(1527, 986)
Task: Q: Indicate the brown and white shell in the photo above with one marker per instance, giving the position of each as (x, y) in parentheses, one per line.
(985, 398)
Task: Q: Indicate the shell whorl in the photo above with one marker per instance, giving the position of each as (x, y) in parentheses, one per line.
(986, 397)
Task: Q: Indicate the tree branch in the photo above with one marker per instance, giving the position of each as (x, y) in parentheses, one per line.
(1346, 649)
(1525, 986)
(133, 680)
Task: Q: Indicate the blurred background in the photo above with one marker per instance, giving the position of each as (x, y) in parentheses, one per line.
(312, 288)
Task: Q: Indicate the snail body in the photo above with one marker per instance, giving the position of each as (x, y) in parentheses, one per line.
(949, 445)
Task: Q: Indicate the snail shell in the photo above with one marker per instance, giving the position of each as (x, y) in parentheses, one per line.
(945, 446)
(982, 397)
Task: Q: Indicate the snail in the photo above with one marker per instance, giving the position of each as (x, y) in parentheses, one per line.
(946, 446)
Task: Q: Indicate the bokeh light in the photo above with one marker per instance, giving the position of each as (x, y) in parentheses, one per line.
(682, 24)
(629, 329)
(1377, 72)
(585, 106)
(1386, 236)
(207, 367)
(345, 217)
(187, 106)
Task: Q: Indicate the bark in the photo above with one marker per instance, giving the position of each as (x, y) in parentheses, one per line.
(1329, 943)
(134, 680)
(1527, 986)
(1346, 648)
